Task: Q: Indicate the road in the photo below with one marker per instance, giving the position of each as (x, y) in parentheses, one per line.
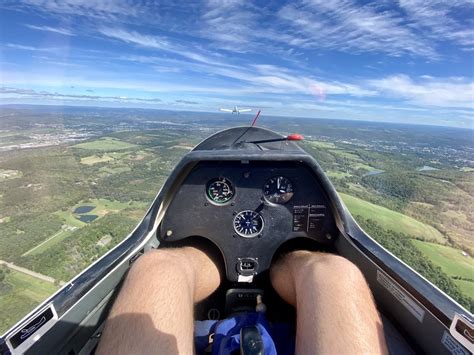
(47, 240)
(27, 272)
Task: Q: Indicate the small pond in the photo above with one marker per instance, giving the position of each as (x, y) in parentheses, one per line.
(83, 209)
(87, 218)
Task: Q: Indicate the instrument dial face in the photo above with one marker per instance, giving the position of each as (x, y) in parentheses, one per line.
(220, 190)
(278, 190)
(248, 224)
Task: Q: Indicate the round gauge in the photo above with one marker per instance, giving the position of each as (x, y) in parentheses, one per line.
(220, 190)
(278, 190)
(248, 224)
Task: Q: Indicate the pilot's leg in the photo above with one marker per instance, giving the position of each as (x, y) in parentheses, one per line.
(336, 313)
(153, 313)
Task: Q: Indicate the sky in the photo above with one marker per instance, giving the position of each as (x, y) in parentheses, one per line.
(407, 61)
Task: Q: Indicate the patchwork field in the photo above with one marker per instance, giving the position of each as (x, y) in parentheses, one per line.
(105, 144)
(392, 220)
(94, 159)
(323, 145)
(452, 261)
(19, 294)
(337, 174)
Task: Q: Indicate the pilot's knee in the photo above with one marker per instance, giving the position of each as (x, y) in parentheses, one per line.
(342, 266)
(326, 265)
(341, 271)
(161, 261)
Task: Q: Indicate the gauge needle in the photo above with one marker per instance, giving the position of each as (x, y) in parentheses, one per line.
(278, 183)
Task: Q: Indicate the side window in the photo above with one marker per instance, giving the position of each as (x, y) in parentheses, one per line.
(65, 204)
(411, 190)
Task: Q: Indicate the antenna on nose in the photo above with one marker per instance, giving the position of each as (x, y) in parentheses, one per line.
(255, 118)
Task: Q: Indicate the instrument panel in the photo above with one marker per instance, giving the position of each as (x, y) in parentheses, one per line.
(249, 209)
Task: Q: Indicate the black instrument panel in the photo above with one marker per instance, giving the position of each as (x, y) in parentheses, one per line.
(248, 209)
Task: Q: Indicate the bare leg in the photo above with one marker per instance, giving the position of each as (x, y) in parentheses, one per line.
(336, 313)
(153, 312)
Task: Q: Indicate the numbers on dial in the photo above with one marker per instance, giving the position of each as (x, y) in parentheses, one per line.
(220, 190)
(248, 224)
(278, 190)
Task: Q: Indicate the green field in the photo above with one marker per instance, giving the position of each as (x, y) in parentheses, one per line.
(94, 159)
(105, 144)
(103, 206)
(452, 262)
(69, 219)
(467, 287)
(19, 294)
(337, 174)
(324, 145)
(345, 154)
(392, 220)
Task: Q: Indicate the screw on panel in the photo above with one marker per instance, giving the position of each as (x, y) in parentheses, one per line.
(169, 233)
(68, 287)
(328, 236)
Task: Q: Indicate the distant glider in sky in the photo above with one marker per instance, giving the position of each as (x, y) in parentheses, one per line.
(236, 110)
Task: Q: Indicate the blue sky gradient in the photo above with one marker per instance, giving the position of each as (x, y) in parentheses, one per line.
(409, 61)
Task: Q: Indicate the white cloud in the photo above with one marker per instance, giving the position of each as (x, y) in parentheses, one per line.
(97, 9)
(21, 47)
(448, 92)
(59, 30)
(31, 48)
(440, 20)
(230, 24)
(161, 43)
(55, 95)
(410, 27)
(406, 27)
(345, 26)
(133, 37)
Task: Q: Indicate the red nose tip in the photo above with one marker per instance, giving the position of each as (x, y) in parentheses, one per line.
(295, 137)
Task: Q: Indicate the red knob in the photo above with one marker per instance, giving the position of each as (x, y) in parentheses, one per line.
(295, 137)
